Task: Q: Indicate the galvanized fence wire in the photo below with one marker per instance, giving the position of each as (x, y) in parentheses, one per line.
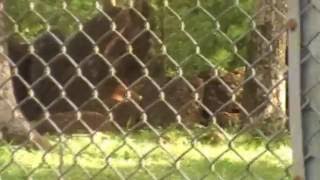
(122, 71)
(309, 12)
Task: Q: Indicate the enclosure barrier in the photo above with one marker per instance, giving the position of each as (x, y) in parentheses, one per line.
(159, 89)
(309, 55)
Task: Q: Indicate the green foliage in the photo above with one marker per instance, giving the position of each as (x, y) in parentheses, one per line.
(213, 33)
(205, 35)
(34, 16)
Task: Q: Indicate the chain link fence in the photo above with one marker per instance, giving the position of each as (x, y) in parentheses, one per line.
(306, 61)
(159, 89)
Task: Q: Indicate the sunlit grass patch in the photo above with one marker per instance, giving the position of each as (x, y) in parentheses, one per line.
(143, 155)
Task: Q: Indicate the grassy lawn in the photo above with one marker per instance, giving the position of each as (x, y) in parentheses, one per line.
(143, 156)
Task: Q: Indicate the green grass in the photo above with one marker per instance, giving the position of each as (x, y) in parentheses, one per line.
(140, 156)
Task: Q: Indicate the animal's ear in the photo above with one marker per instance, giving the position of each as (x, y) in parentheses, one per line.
(17, 48)
(143, 7)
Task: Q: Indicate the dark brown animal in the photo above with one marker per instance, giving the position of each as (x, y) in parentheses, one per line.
(177, 104)
(82, 78)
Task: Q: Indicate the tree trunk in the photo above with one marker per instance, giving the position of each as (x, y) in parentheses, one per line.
(12, 122)
(264, 95)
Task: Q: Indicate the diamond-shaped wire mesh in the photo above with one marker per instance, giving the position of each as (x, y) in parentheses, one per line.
(310, 86)
(137, 89)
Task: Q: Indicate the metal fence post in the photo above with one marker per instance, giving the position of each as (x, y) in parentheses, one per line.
(310, 73)
(295, 88)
